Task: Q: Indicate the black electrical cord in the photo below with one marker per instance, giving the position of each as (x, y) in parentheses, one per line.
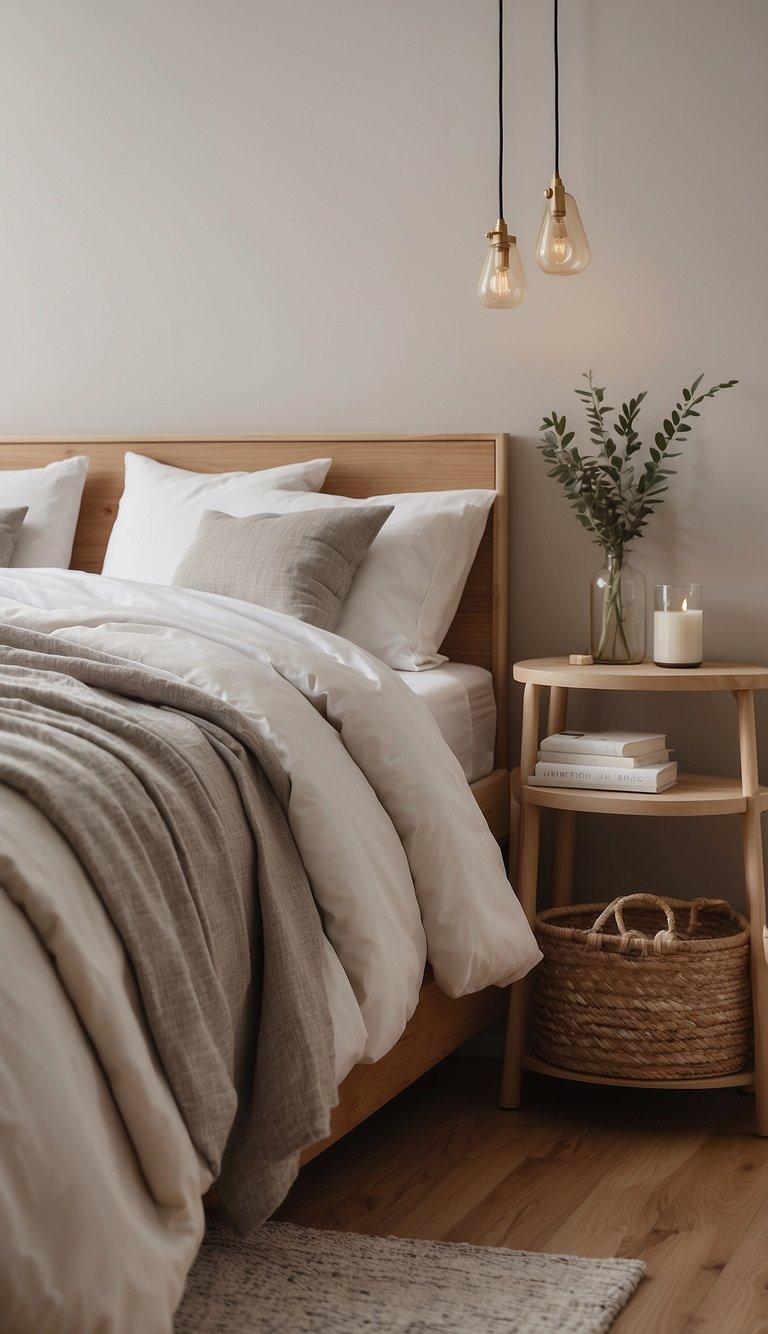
(557, 99)
(501, 108)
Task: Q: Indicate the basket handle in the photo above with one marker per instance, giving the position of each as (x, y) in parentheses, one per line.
(664, 942)
(698, 904)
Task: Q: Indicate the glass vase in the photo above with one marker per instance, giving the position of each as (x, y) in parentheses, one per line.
(617, 612)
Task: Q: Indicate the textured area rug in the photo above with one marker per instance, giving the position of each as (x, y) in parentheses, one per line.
(296, 1280)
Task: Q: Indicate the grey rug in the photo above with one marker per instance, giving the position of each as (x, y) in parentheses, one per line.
(295, 1280)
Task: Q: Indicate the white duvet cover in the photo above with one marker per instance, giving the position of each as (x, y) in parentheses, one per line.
(401, 863)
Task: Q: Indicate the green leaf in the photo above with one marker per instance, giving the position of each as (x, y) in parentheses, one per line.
(611, 501)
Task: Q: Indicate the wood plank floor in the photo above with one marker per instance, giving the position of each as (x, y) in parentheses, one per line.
(677, 1179)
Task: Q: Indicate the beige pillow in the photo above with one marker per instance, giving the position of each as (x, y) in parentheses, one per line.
(10, 527)
(302, 564)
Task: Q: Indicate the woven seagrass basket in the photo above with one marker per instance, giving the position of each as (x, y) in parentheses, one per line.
(616, 996)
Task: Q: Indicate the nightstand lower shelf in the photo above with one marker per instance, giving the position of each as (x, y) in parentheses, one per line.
(742, 1078)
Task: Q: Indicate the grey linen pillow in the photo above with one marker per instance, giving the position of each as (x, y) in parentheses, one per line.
(301, 563)
(10, 527)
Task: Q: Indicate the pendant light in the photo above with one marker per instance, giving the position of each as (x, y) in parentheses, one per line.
(502, 282)
(562, 246)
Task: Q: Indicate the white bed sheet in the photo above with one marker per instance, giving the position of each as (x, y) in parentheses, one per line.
(461, 700)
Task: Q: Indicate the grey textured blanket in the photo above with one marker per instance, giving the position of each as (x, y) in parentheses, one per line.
(174, 805)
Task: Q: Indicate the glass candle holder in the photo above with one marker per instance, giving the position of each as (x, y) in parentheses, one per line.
(678, 626)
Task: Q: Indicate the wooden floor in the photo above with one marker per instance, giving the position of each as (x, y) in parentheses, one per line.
(677, 1179)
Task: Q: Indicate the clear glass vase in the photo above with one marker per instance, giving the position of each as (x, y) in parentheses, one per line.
(617, 612)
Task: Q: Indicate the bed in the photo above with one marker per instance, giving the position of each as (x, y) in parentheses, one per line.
(477, 638)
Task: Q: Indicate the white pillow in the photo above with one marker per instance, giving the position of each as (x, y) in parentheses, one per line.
(408, 585)
(162, 506)
(52, 495)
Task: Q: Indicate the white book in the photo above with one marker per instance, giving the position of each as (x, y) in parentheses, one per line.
(605, 743)
(566, 757)
(649, 778)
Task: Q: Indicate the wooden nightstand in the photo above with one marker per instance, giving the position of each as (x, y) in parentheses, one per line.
(693, 795)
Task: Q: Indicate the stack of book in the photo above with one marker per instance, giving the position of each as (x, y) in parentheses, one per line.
(621, 761)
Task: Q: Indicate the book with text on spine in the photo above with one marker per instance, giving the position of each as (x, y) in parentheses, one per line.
(566, 758)
(605, 743)
(650, 778)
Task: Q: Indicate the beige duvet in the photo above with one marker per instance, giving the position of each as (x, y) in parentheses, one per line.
(99, 1182)
(172, 891)
(119, 1204)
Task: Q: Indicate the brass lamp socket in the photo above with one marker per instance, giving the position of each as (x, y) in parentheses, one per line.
(556, 196)
(502, 240)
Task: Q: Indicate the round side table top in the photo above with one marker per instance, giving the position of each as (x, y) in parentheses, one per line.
(642, 675)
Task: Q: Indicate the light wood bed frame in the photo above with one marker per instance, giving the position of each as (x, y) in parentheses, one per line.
(362, 466)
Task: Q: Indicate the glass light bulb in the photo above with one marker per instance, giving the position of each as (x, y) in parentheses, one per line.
(558, 242)
(562, 246)
(502, 282)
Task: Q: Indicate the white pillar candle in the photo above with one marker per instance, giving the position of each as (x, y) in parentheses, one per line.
(678, 637)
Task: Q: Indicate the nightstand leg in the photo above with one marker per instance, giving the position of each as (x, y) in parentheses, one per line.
(527, 871)
(565, 821)
(526, 892)
(754, 879)
(515, 821)
(529, 740)
(529, 745)
(558, 709)
(562, 866)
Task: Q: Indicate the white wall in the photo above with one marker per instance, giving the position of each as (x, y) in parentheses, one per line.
(254, 215)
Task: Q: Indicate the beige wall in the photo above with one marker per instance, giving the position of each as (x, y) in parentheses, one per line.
(256, 215)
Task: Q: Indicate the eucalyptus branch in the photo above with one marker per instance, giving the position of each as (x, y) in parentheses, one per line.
(613, 501)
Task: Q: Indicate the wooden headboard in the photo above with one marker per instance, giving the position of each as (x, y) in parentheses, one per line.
(362, 466)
